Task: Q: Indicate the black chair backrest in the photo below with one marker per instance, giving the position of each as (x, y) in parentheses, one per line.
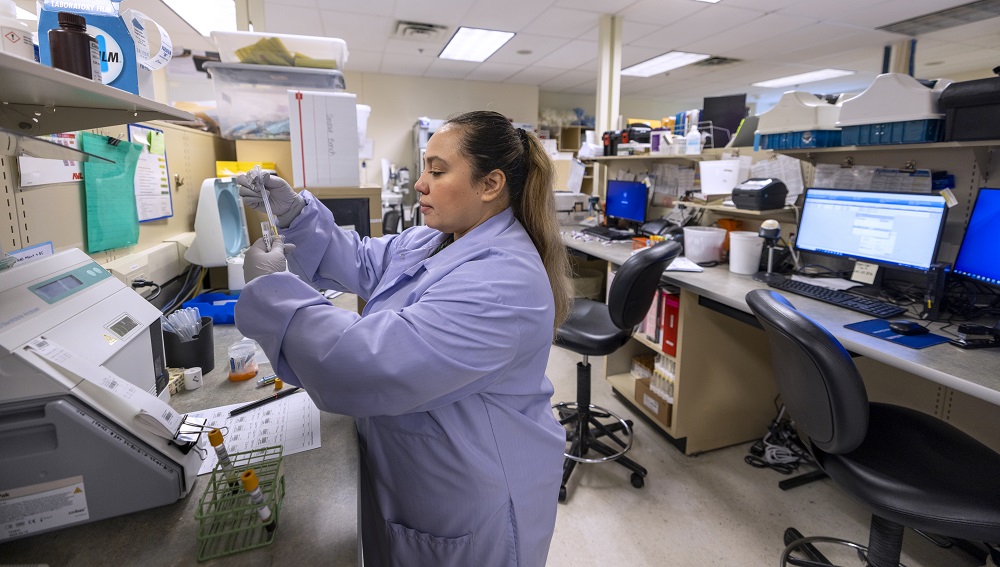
(817, 380)
(634, 287)
(390, 222)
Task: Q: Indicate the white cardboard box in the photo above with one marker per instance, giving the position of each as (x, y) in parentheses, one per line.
(324, 132)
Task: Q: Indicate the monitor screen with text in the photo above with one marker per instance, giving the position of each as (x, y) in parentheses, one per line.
(900, 230)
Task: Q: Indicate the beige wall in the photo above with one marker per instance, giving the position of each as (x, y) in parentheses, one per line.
(398, 101)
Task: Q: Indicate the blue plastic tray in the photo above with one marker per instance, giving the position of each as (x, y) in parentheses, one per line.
(217, 305)
(800, 140)
(907, 132)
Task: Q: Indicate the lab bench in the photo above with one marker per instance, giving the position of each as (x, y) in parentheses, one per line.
(318, 523)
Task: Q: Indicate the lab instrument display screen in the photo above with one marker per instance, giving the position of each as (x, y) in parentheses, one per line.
(58, 287)
(899, 230)
(978, 258)
(626, 200)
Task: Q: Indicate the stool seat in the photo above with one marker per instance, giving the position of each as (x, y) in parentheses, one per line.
(589, 330)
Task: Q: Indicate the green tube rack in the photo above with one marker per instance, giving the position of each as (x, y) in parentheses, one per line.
(227, 521)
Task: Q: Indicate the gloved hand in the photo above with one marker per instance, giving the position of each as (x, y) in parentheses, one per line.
(259, 262)
(285, 203)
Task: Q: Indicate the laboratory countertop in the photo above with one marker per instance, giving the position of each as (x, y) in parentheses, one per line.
(318, 523)
(969, 371)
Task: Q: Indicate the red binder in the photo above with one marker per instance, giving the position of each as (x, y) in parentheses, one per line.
(671, 304)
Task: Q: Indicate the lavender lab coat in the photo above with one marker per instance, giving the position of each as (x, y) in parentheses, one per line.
(461, 457)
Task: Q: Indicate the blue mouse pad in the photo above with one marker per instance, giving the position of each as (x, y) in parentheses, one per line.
(880, 328)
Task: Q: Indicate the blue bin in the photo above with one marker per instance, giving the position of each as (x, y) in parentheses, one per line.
(906, 132)
(217, 305)
(800, 140)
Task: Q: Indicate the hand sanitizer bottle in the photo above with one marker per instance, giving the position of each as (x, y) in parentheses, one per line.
(693, 141)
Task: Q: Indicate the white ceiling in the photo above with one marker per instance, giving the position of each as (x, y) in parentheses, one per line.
(556, 46)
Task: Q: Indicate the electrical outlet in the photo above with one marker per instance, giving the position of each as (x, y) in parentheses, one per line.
(129, 268)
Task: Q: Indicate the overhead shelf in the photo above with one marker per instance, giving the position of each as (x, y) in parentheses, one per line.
(39, 100)
(693, 157)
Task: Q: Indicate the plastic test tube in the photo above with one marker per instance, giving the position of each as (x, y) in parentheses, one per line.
(251, 485)
(215, 438)
(269, 235)
(266, 380)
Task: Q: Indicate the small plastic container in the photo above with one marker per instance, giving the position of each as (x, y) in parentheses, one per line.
(252, 100)
(274, 47)
(242, 360)
(703, 243)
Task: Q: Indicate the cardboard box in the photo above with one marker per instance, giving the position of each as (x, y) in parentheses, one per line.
(659, 408)
(324, 130)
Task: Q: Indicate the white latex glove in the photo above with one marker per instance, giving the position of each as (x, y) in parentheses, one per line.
(259, 262)
(285, 203)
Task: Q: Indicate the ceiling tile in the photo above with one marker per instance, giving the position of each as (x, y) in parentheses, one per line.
(364, 61)
(767, 26)
(661, 12)
(509, 15)
(599, 6)
(366, 32)
(714, 20)
(444, 12)
(567, 80)
(382, 8)
(401, 64)
(573, 54)
(561, 22)
(280, 18)
(534, 75)
(540, 46)
(450, 69)
(496, 72)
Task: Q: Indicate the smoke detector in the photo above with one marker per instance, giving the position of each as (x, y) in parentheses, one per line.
(418, 31)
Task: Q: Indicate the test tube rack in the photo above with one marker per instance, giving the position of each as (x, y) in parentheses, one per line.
(227, 521)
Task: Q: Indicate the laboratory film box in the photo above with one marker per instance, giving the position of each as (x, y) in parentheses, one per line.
(324, 132)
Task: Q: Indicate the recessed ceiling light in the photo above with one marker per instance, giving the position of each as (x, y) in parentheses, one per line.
(206, 16)
(710, 1)
(802, 78)
(663, 63)
(474, 44)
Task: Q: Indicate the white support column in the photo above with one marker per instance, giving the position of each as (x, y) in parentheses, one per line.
(900, 54)
(608, 73)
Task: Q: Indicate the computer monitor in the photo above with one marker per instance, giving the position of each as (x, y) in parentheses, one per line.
(626, 200)
(897, 230)
(977, 258)
(725, 113)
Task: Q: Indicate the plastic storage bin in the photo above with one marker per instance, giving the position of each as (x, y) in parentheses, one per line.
(894, 109)
(799, 120)
(252, 100)
(972, 110)
(218, 305)
(281, 49)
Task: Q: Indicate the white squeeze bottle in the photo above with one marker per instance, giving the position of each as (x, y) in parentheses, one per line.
(15, 35)
(692, 141)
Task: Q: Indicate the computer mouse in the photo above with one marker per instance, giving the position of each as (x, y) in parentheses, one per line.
(908, 328)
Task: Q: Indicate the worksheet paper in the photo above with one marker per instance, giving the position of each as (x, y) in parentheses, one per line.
(152, 177)
(291, 421)
(785, 168)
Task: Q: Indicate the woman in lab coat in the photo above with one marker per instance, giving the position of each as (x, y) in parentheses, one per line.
(461, 457)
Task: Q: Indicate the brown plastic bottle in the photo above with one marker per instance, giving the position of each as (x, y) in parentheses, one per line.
(73, 49)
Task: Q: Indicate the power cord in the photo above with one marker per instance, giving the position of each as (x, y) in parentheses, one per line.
(780, 449)
(139, 283)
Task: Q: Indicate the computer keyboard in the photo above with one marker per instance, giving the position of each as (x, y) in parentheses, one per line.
(858, 303)
(606, 233)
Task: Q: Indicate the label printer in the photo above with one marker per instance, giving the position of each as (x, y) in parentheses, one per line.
(760, 194)
(81, 362)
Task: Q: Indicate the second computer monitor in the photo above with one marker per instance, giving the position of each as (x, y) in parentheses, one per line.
(898, 230)
(977, 258)
(626, 200)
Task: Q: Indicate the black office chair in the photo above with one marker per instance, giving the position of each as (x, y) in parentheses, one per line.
(390, 221)
(908, 468)
(598, 329)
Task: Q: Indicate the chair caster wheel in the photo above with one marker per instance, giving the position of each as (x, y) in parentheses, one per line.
(637, 480)
(562, 493)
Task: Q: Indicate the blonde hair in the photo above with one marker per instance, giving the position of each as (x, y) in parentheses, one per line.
(491, 142)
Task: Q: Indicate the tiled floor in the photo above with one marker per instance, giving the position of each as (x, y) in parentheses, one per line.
(711, 509)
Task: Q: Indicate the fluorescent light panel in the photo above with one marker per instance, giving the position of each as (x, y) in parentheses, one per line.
(474, 44)
(663, 63)
(206, 16)
(802, 78)
(710, 1)
(957, 16)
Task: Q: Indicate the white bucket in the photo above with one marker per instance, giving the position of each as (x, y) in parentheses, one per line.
(703, 243)
(744, 251)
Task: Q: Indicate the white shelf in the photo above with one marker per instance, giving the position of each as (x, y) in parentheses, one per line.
(39, 100)
(696, 157)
